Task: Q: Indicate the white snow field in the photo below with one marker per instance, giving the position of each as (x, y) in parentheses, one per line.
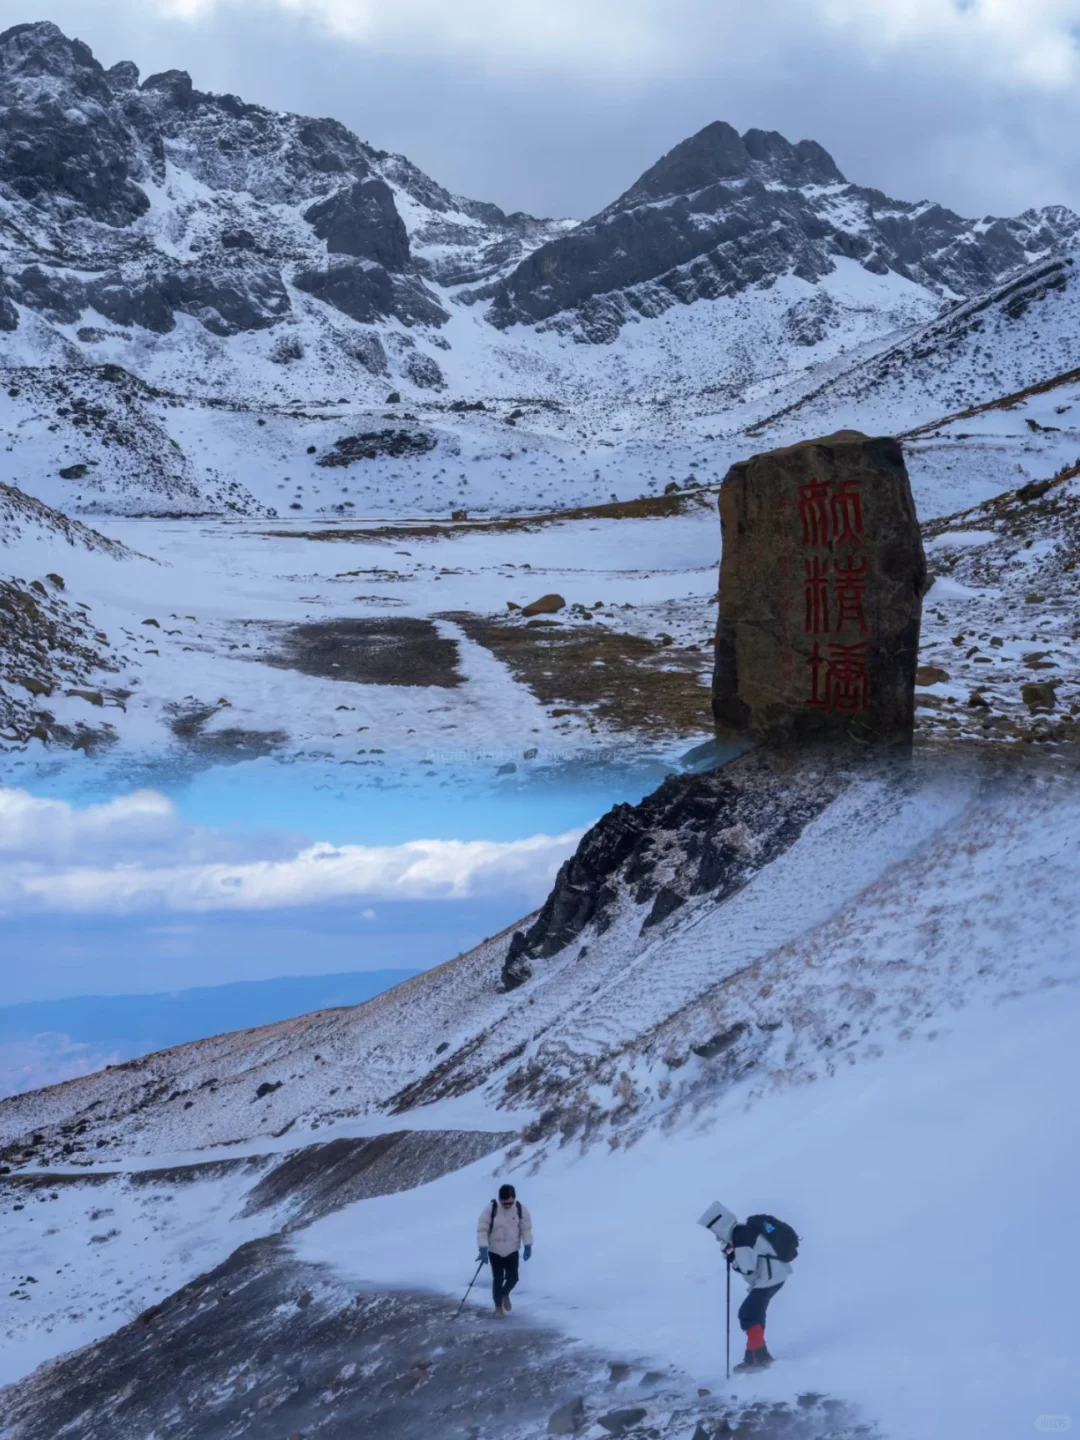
(931, 1188)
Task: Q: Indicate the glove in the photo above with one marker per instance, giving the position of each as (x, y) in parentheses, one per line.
(483, 1256)
(729, 1254)
(528, 1252)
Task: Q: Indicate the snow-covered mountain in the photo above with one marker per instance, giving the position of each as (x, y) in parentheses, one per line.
(210, 307)
(722, 213)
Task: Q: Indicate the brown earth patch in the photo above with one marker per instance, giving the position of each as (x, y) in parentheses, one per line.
(231, 743)
(627, 681)
(648, 507)
(390, 650)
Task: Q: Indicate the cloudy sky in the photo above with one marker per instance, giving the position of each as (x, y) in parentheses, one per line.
(554, 106)
(127, 895)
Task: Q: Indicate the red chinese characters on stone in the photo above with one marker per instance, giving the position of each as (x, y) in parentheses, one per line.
(833, 526)
(814, 512)
(839, 681)
(846, 514)
(817, 595)
(849, 586)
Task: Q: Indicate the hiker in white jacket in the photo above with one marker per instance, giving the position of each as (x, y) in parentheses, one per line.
(749, 1250)
(504, 1227)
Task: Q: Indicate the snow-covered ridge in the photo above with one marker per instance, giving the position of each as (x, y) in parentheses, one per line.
(23, 517)
(228, 283)
(722, 213)
(776, 968)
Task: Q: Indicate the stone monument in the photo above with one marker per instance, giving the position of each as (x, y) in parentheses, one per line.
(821, 583)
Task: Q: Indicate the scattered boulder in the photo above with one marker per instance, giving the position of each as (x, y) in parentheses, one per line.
(367, 349)
(267, 1088)
(619, 1421)
(1040, 695)
(35, 687)
(721, 1041)
(821, 583)
(75, 472)
(423, 371)
(287, 350)
(238, 240)
(546, 605)
(930, 675)
(569, 1418)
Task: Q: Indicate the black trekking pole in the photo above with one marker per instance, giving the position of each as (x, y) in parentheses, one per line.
(728, 1320)
(465, 1297)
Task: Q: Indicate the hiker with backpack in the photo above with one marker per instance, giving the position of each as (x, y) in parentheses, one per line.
(761, 1250)
(504, 1227)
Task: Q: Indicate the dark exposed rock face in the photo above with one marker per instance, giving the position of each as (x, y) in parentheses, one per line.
(721, 213)
(225, 302)
(9, 316)
(695, 835)
(821, 582)
(362, 221)
(78, 143)
(45, 150)
(367, 293)
(369, 446)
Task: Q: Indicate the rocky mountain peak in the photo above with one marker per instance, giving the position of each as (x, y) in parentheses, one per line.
(722, 213)
(719, 153)
(42, 49)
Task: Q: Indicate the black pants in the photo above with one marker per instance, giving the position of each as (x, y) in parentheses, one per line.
(504, 1275)
(752, 1310)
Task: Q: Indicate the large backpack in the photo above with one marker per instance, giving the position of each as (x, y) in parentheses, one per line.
(495, 1211)
(779, 1234)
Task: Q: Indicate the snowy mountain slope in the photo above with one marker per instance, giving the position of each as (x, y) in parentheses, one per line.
(51, 643)
(147, 201)
(866, 1163)
(755, 970)
(153, 1231)
(25, 519)
(1015, 336)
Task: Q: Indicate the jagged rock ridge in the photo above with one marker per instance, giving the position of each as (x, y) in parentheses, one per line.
(85, 153)
(722, 212)
(695, 835)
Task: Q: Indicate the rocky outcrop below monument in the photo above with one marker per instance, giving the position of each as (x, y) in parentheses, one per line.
(695, 835)
(822, 576)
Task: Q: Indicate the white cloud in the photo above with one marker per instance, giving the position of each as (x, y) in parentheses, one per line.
(35, 828)
(135, 855)
(613, 35)
(419, 870)
(1024, 42)
(1016, 41)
